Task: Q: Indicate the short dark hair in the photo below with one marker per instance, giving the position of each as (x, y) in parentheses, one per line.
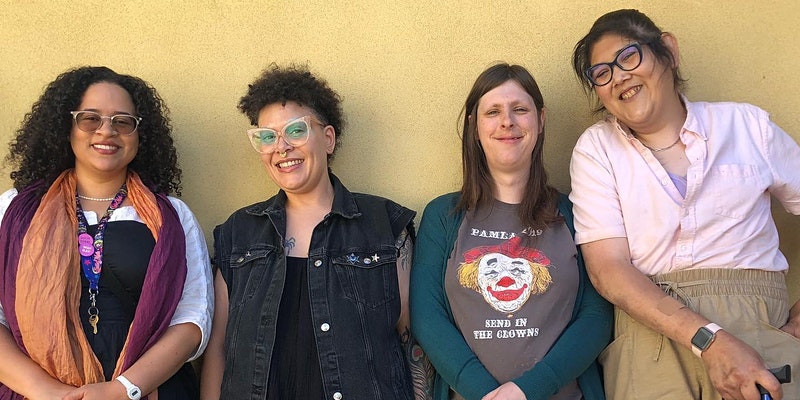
(41, 149)
(631, 24)
(297, 84)
(538, 206)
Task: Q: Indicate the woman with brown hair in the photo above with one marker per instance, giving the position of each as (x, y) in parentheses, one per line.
(500, 300)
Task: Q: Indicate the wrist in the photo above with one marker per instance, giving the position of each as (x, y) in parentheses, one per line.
(132, 391)
(47, 390)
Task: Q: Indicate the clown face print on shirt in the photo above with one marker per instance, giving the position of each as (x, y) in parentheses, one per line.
(512, 290)
(506, 275)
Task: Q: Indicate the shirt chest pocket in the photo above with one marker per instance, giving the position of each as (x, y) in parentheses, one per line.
(249, 273)
(368, 277)
(736, 189)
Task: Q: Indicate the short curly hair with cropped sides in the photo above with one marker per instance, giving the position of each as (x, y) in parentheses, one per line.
(297, 84)
(41, 150)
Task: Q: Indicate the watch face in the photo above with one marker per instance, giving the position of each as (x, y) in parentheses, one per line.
(703, 338)
(134, 393)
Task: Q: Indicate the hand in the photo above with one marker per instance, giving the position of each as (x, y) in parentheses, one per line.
(735, 369)
(792, 327)
(98, 391)
(506, 391)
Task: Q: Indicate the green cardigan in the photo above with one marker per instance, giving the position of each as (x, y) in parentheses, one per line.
(572, 356)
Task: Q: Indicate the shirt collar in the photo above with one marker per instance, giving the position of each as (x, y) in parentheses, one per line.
(692, 124)
(344, 202)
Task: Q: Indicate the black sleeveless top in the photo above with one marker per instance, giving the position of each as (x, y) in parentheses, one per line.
(126, 255)
(294, 370)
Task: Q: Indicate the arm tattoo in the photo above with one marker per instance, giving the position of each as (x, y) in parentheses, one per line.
(406, 336)
(422, 372)
(403, 246)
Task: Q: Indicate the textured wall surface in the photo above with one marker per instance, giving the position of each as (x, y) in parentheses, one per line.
(402, 67)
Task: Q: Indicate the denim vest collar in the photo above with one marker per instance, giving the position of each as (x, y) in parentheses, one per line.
(344, 203)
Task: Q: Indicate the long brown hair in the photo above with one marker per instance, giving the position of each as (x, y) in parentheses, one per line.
(538, 207)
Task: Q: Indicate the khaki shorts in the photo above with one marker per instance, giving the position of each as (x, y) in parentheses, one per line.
(750, 304)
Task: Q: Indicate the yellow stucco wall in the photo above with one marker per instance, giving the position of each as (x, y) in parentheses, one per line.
(403, 68)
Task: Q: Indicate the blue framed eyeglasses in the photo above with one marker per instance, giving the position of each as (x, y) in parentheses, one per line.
(628, 59)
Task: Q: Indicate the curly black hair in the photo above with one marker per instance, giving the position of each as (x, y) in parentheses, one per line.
(297, 84)
(41, 149)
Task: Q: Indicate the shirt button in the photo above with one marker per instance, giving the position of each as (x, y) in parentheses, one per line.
(325, 327)
(318, 263)
(337, 396)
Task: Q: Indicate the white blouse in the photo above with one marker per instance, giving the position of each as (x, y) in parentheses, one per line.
(196, 305)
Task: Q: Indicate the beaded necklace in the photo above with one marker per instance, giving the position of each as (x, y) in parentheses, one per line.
(91, 251)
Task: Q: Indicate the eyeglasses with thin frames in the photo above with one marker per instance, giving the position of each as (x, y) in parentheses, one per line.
(295, 133)
(90, 122)
(628, 59)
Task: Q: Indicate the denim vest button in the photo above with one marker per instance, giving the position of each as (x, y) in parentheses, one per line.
(318, 263)
(325, 327)
(337, 396)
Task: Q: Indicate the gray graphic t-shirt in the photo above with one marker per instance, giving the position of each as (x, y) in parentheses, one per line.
(512, 290)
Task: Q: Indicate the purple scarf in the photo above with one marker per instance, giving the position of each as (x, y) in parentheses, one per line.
(166, 272)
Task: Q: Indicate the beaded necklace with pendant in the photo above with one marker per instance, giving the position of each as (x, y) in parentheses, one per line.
(91, 251)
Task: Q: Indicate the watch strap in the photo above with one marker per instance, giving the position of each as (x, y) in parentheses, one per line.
(711, 327)
(133, 391)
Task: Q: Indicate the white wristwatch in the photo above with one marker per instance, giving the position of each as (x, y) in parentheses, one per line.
(134, 393)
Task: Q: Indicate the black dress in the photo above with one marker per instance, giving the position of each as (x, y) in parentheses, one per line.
(126, 255)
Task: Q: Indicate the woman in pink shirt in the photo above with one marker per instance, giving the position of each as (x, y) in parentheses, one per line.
(672, 212)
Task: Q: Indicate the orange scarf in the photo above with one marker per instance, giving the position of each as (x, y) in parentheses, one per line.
(49, 284)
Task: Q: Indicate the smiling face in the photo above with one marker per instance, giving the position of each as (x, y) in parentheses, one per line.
(508, 126)
(638, 97)
(302, 169)
(104, 154)
(504, 282)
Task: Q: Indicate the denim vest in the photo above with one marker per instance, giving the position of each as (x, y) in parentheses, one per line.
(355, 302)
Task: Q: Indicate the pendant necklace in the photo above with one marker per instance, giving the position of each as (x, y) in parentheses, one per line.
(91, 249)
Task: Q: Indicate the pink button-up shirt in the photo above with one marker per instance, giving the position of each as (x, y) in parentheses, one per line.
(738, 159)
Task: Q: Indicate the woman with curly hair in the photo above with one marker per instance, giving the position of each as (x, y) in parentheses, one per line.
(312, 289)
(105, 290)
